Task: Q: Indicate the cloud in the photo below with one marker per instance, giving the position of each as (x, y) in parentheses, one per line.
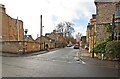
(53, 12)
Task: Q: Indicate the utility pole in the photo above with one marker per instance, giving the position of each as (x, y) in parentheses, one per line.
(40, 32)
(17, 26)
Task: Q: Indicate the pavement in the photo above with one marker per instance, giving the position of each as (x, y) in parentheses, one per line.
(85, 57)
(26, 54)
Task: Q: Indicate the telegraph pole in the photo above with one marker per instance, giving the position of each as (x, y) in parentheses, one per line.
(18, 29)
(40, 32)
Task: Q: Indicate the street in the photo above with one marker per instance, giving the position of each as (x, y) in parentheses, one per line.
(57, 63)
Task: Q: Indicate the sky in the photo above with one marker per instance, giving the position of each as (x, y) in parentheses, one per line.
(53, 12)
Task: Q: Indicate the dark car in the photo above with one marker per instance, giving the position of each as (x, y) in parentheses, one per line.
(76, 46)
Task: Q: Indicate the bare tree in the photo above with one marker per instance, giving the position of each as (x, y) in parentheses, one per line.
(66, 28)
(78, 36)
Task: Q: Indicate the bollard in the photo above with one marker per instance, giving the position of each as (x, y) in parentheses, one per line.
(102, 56)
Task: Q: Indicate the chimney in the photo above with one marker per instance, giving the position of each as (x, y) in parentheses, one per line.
(2, 8)
(93, 16)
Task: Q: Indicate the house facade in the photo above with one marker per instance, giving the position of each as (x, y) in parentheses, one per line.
(91, 33)
(11, 32)
(104, 15)
(12, 29)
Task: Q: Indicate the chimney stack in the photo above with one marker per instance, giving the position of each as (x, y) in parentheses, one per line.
(2, 8)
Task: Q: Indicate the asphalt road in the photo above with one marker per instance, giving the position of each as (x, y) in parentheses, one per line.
(58, 63)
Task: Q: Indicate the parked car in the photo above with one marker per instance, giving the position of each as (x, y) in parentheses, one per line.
(69, 45)
(76, 46)
(86, 47)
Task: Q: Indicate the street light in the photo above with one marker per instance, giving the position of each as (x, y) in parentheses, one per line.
(24, 40)
(26, 30)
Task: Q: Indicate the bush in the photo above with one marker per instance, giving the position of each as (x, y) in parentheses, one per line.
(108, 27)
(113, 49)
(100, 47)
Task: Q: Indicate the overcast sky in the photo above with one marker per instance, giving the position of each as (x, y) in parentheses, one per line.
(54, 11)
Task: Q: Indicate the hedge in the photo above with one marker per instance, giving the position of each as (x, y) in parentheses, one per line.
(100, 47)
(113, 49)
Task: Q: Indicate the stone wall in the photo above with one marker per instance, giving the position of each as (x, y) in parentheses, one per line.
(104, 14)
(12, 29)
(100, 34)
(32, 46)
(19, 46)
(1, 9)
(12, 47)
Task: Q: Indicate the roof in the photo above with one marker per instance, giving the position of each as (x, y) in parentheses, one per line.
(106, 0)
(1, 5)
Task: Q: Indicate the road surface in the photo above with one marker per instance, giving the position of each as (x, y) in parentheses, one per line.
(58, 63)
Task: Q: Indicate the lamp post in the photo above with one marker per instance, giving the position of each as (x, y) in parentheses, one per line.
(26, 30)
(24, 41)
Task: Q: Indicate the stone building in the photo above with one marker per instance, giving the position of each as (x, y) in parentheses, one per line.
(57, 37)
(12, 29)
(91, 33)
(117, 22)
(83, 41)
(45, 40)
(104, 14)
(30, 45)
(13, 40)
(11, 32)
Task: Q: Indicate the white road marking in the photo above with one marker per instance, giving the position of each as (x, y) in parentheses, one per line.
(78, 58)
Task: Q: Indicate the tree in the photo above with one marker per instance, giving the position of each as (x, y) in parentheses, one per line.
(60, 27)
(78, 36)
(66, 28)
